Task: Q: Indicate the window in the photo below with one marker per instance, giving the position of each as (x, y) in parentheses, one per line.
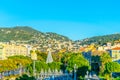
(116, 56)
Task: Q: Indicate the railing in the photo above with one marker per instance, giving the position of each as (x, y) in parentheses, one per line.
(55, 76)
(12, 72)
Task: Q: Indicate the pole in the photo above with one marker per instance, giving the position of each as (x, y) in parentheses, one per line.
(20, 71)
(75, 75)
(34, 69)
(75, 72)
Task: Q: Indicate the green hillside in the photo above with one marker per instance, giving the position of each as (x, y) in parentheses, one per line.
(101, 40)
(30, 35)
(25, 33)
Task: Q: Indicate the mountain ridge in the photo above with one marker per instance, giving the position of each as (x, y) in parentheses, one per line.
(26, 33)
(31, 35)
(101, 40)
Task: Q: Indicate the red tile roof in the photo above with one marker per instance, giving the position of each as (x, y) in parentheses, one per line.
(116, 48)
(82, 49)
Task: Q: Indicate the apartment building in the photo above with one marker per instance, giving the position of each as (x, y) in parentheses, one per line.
(115, 54)
(7, 50)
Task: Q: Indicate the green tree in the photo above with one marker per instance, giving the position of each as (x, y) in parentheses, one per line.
(25, 77)
(41, 56)
(111, 67)
(104, 58)
(82, 65)
(14, 62)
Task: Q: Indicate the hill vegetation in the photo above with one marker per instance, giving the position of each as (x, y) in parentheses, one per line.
(30, 35)
(101, 40)
(27, 34)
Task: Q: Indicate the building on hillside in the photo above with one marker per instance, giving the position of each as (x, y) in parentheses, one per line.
(2, 55)
(109, 44)
(115, 54)
(7, 50)
(33, 55)
(100, 48)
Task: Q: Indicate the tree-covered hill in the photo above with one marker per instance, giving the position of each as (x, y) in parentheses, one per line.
(30, 35)
(25, 33)
(101, 40)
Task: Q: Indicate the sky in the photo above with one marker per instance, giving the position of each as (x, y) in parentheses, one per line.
(76, 19)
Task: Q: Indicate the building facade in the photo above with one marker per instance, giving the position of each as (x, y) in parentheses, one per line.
(7, 50)
(115, 54)
(2, 55)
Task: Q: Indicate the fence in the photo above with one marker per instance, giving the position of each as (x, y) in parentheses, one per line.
(54, 75)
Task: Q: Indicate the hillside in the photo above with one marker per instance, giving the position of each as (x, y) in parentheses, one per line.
(25, 34)
(28, 34)
(101, 40)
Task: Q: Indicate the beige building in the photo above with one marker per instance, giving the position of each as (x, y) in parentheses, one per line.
(33, 55)
(7, 50)
(2, 56)
(115, 54)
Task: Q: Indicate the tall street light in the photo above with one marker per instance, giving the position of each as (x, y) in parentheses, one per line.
(34, 58)
(75, 75)
(20, 69)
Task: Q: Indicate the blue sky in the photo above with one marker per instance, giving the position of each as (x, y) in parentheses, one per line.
(77, 19)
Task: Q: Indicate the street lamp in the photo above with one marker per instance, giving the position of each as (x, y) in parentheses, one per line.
(20, 69)
(34, 58)
(75, 76)
(34, 68)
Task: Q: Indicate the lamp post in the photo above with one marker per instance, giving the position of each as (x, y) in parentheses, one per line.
(75, 76)
(34, 68)
(20, 69)
(0, 73)
(34, 58)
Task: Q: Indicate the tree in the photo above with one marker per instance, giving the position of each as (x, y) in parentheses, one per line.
(25, 77)
(57, 57)
(14, 62)
(95, 62)
(111, 67)
(64, 60)
(41, 56)
(104, 58)
(81, 63)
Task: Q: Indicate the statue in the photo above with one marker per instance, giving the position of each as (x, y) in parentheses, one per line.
(49, 56)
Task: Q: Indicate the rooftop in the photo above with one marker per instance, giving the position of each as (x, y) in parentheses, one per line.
(116, 48)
